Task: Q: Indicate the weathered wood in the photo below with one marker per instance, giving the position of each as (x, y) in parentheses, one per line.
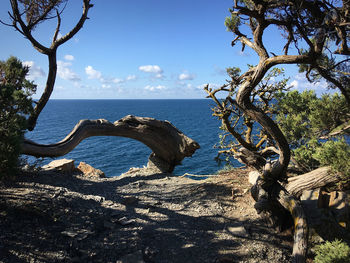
(312, 180)
(295, 208)
(277, 204)
(165, 140)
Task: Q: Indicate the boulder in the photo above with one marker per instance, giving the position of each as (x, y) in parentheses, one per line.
(88, 170)
(62, 165)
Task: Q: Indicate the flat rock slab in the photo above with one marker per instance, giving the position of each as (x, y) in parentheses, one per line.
(63, 165)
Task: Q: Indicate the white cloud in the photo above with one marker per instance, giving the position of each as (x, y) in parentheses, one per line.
(155, 88)
(151, 69)
(92, 73)
(159, 76)
(117, 81)
(186, 76)
(69, 57)
(155, 69)
(295, 84)
(34, 70)
(64, 71)
(106, 86)
(301, 83)
(130, 77)
(107, 82)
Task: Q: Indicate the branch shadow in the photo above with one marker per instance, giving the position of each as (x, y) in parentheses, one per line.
(65, 218)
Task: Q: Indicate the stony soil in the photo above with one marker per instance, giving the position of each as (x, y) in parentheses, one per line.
(53, 217)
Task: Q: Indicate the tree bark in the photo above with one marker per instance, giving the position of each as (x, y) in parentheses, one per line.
(26, 30)
(295, 208)
(50, 83)
(312, 180)
(165, 140)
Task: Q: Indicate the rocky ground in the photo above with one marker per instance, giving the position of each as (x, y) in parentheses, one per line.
(56, 217)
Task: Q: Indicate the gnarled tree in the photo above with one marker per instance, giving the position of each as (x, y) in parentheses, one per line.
(169, 145)
(26, 16)
(316, 35)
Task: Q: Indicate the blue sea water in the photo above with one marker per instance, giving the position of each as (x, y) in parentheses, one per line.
(115, 155)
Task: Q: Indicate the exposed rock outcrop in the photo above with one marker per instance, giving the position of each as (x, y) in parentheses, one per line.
(88, 170)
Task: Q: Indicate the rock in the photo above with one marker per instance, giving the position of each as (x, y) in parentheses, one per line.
(96, 198)
(150, 210)
(80, 234)
(63, 165)
(69, 233)
(136, 257)
(253, 177)
(59, 191)
(238, 230)
(88, 170)
(84, 233)
(124, 221)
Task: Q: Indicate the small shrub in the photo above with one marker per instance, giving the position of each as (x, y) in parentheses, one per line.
(226, 168)
(337, 155)
(332, 252)
(15, 106)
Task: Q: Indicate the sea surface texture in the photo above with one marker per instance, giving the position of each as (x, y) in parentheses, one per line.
(115, 155)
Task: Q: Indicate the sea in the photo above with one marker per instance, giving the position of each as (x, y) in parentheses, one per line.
(116, 155)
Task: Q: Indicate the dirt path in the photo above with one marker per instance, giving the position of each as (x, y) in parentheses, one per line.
(49, 217)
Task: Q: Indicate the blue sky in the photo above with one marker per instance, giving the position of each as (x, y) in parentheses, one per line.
(138, 50)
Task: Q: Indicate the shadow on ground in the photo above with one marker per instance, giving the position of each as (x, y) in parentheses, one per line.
(158, 218)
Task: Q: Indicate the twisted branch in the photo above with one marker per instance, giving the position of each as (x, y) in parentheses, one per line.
(165, 140)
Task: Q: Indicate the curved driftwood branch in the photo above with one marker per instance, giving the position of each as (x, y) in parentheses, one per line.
(165, 140)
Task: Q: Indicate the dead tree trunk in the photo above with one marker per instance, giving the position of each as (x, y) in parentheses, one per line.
(169, 145)
(315, 179)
